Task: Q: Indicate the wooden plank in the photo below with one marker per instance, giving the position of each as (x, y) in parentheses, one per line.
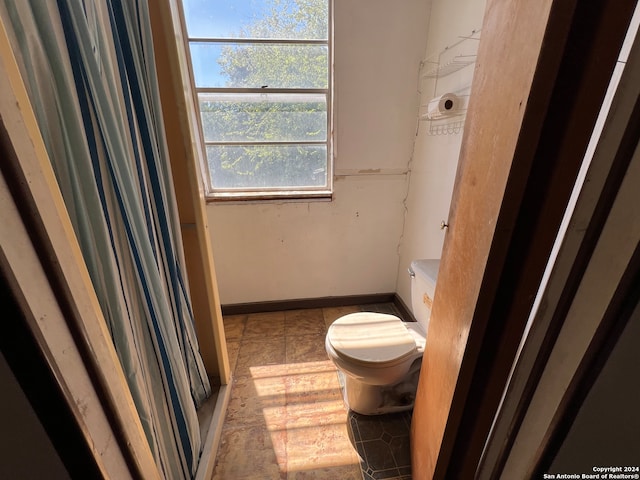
(614, 145)
(28, 282)
(541, 73)
(184, 149)
(214, 434)
(480, 185)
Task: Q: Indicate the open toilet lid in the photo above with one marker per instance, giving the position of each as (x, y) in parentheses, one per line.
(371, 338)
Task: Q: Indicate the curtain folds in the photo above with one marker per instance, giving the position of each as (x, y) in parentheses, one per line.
(90, 72)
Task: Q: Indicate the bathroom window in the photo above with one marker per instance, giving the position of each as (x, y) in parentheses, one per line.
(262, 77)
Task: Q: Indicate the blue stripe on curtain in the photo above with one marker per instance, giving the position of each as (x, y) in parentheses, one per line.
(152, 134)
(90, 72)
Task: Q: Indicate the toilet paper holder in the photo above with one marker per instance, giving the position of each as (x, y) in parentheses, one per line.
(445, 105)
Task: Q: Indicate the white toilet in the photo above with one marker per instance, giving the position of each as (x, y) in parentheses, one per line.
(379, 354)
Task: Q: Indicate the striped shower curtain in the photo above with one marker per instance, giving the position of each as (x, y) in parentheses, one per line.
(89, 69)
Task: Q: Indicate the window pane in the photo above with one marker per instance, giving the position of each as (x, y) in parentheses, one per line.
(268, 117)
(264, 166)
(259, 65)
(297, 19)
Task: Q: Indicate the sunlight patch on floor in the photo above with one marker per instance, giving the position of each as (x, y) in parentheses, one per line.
(315, 418)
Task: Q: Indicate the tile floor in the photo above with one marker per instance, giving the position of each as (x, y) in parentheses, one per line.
(286, 418)
(383, 445)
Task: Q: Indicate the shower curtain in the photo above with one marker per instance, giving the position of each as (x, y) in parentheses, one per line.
(89, 68)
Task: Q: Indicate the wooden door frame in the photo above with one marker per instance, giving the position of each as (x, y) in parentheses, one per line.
(571, 334)
(542, 72)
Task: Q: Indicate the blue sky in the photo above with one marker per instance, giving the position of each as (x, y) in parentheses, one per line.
(217, 17)
(213, 18)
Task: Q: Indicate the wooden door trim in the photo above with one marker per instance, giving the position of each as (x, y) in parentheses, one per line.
(607, 171)
(530, 145)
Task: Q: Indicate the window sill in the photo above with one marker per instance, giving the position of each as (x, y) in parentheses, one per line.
(273, 197)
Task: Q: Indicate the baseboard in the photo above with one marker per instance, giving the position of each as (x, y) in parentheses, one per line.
(323, 302)
(405, 312)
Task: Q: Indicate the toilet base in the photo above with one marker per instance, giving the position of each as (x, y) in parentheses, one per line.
(380, 399)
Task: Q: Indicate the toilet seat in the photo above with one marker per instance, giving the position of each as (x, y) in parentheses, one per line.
(371, 339)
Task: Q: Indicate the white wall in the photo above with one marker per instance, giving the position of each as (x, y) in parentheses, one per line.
(393, 180)
(280, 251)
(435, 157)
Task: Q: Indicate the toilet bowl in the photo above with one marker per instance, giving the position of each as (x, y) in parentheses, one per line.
(379, 355)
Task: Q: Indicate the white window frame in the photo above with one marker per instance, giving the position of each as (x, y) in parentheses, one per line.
(264, 193)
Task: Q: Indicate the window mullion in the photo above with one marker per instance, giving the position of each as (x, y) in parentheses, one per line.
(273, 143)
(292, 91)
(265, 41)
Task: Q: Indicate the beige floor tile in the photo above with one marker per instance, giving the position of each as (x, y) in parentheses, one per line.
(260, 357)
(342, 472)
(251, 453)
(234, 326)
(286, 418)
(319, 447)
(304, 322)
(265, 325)
(311, 377)
(233, 348)
(315, 410)
(305, 348)
(257, 402)
(310, 367)
(331, 314)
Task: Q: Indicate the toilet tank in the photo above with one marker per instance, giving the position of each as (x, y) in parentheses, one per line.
(424, 274)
